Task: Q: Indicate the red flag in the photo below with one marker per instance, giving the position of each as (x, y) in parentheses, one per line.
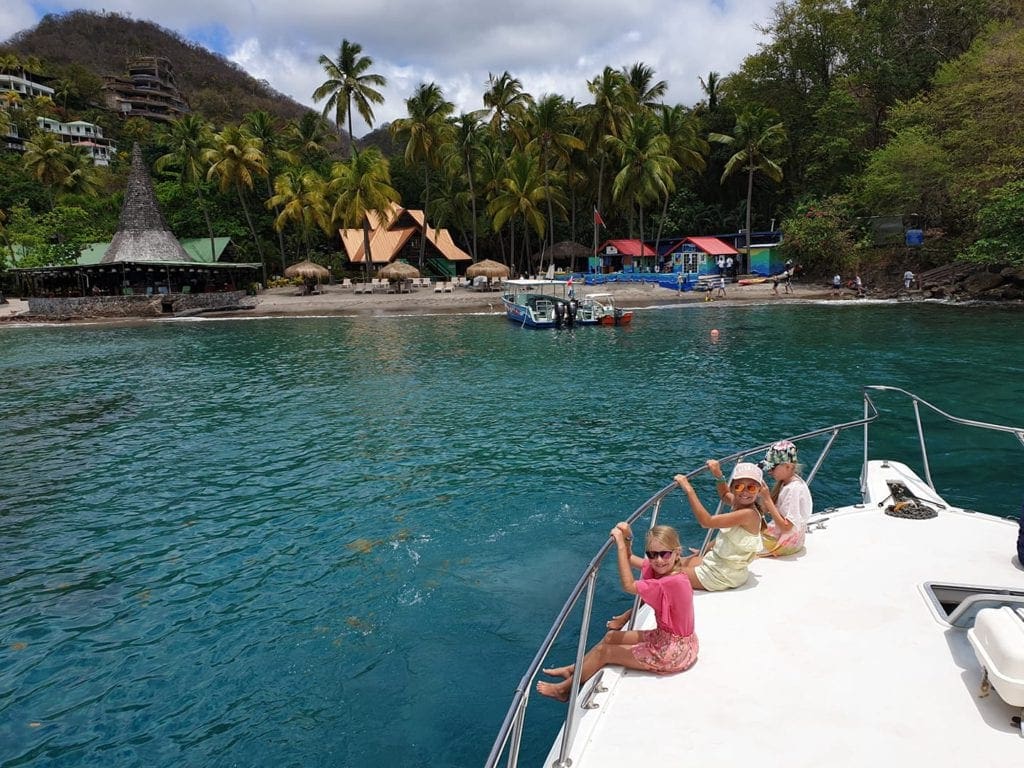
(598, 219)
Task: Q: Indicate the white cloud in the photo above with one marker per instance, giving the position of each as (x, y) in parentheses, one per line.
(549, 46)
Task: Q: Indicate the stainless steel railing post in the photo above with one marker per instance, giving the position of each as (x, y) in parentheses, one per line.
(924, 448)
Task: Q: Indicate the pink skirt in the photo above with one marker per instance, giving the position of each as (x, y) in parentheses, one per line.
(664, 652)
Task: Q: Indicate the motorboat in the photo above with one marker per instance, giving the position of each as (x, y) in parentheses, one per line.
(600, 309)
(896, 637)
(538, 303)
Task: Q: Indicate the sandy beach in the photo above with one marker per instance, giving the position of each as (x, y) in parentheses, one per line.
(335, 300)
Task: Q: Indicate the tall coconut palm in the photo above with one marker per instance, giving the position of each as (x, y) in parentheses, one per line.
(425, 131)
(684, 146)
(262, 125)
(187, 140)
(604, 118)
(300, 199)
(48, 162)
(522, 194)
(508, 102)
(462, 154)
(235, 161)
(711, 88)
(349, 80)
(646, 165)
(646, 93)
(308, 140)
(549, 122)
(358, 186)
(758, 134)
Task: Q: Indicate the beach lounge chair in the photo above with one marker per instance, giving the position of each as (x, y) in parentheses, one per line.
(438, 287)
(449, 287)
(346, 283)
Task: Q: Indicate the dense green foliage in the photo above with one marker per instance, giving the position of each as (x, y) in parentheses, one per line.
(850, 109)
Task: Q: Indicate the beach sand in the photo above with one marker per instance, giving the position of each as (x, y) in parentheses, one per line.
(335, 300)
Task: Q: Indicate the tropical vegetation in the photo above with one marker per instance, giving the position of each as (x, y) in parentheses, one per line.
(847, 112)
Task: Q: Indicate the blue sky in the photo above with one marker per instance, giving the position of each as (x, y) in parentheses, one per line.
(552, 47)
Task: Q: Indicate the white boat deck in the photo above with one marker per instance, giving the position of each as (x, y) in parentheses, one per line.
(833, 657)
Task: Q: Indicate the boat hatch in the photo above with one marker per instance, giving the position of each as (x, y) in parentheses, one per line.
(958, 604)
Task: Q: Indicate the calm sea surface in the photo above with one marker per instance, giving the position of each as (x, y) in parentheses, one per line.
(334, 542)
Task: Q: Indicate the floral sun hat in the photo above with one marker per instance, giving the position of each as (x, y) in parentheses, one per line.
(782, 452)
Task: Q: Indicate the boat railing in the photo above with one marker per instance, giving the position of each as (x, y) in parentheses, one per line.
(917, 403)
(510, 735)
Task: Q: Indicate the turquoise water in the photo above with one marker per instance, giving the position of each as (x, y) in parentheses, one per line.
(327, 542)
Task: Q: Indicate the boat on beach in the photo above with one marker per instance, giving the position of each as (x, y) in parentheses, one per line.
(895, 637)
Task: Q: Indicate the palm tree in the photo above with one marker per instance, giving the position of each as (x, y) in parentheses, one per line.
(48, 162)
(426, 130)
(235, 160)
(522, 193)
(300, 198)
(684, 146)
(509, 103)
(308, 140)
(82, 178)
(646, 165)
(262, 125)
(711, 89)
(462, 153)
(358, 186)
(188, 140)
(548, 122)
(758, 133)
(604, 118)
(645, 92)
(348, 80)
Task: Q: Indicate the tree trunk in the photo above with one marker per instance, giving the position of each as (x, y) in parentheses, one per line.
(248, 220)
(367, 257)
(426, 204)
(750, 197)
(472, 202)
(209, 224)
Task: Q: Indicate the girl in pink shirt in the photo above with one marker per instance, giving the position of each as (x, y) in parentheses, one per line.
(663, 585)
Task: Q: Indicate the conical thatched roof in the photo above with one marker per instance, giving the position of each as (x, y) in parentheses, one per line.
(142, 234)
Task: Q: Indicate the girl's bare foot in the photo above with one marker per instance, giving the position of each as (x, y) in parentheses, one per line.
(559, 691)
(565, 672)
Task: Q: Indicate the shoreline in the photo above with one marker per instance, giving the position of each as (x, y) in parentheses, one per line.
(335, 301)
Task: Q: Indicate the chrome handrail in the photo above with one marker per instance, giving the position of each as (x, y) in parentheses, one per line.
(511, 731)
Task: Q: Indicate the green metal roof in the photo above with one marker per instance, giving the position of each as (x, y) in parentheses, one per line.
(198, 248)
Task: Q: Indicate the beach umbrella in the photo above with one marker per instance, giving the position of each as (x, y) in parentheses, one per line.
(399, 270)
(487, 268)
(308, 271)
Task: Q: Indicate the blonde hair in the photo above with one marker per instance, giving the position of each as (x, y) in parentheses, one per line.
(670, 537)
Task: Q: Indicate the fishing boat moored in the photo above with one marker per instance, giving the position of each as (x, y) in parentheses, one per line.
(896, 637)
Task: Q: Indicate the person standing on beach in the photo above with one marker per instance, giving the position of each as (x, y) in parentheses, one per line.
(730, 267)
(908, 279)
(721, 265)
(720, 288)
(837, 284)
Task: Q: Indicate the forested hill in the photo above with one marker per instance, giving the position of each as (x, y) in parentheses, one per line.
(102, 44)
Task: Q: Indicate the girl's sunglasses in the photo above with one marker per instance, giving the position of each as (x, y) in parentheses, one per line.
(663, 554)
(750, 487)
